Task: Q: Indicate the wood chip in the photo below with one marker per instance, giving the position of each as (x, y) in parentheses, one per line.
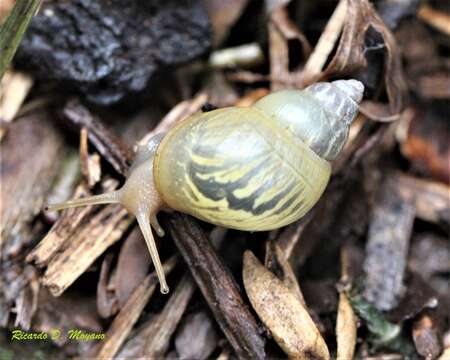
(387, 247)
(159, 333)
(31, 154)
(129, 314)
(205, 341)
(14, 88)
(435, 18)
(282, 312)
(90, 164)
(279, 55)
(252, 97)
(84, 247)
(67, 178)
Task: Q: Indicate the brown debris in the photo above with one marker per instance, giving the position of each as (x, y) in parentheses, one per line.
(435, 263)
(90, 164)
(158, 334)
(419, 297)
(361, 23)
(223, 14)
(426, 337)
(424, 141)
(346, 321)
(151, 340)
(330, 34)
(129, 314)
(132, 266)
(387, 247)
(223, 296)
(27, 300)
(290, 235)
(107, 144)
(178, 113)
(282, 312)
(31, 153)
(61, 314)
(64, 185)
(202, 344)
(106, 299)
(431, 199)
(281, 30)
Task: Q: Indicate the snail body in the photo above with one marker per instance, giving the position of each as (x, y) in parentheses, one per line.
(254, 168)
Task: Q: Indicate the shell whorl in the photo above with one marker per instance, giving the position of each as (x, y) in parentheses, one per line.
(319, 115)
(340, 97)
(234, 167)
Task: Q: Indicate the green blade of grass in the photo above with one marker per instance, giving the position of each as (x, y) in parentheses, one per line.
(13, 29)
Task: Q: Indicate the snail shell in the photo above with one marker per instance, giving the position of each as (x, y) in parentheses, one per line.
(255, 168)
(260, 167)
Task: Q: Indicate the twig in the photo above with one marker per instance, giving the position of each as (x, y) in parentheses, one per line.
(326, 43)
(218, 287)
(159, 333)
(107, 144)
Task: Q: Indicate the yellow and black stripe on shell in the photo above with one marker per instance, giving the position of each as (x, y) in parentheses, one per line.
(247, 175)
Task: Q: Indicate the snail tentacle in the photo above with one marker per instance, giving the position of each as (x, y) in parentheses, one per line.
(107, 198)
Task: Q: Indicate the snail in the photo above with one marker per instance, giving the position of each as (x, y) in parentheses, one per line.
(247, 168)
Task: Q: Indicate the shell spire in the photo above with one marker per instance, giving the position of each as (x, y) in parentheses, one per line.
(340, 97)
(339, 101)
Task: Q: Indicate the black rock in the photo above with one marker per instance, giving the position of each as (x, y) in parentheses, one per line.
(110, 48)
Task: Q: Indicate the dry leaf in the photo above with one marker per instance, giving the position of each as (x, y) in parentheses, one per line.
(363, 29)
(282, 312)
(281, 31)
(106, 299)
(345, 329)
(276, 260)
(132, 266)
